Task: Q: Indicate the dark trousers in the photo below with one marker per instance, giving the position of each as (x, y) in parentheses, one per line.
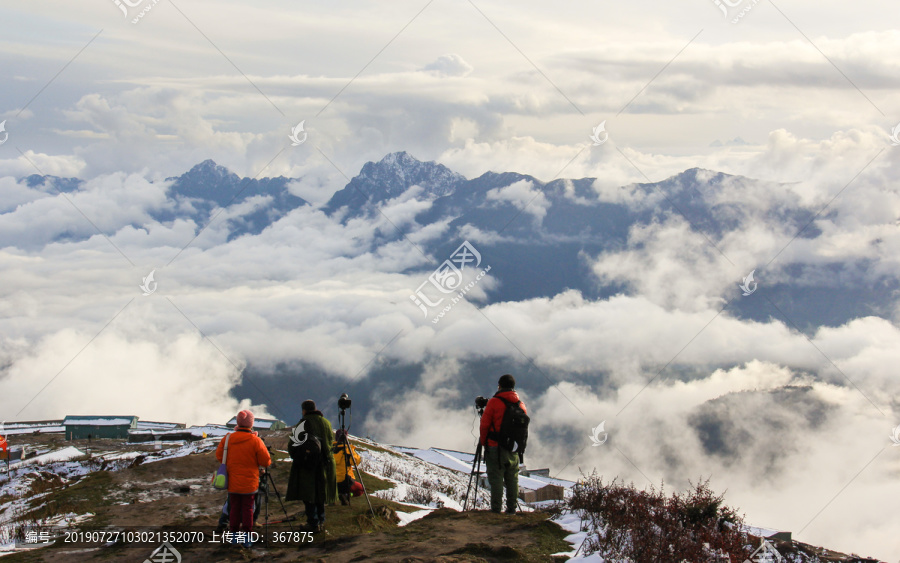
(315, 513)
(502, 473)
(240, 513)
(225, 516)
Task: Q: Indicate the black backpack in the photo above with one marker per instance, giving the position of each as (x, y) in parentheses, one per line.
(308, 454)
(513, 433)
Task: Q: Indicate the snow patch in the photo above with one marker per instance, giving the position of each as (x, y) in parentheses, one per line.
(571, 521)
(407, 517)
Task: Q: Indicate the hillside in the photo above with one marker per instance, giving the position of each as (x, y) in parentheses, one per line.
(70, 487)
(166, 487)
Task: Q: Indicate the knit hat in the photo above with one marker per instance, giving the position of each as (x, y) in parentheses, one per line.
(245, 419)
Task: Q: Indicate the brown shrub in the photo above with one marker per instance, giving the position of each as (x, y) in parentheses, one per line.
(624, 522)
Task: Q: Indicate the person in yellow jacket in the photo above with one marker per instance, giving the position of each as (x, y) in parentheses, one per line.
(346, 477)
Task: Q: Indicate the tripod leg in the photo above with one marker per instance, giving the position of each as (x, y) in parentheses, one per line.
(479, 454)
(473, 476)
(468, 490)
(267, 516)
(281, 502)
(361, 482)
(345, 430)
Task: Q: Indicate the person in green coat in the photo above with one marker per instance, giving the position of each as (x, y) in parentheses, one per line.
(315, 486)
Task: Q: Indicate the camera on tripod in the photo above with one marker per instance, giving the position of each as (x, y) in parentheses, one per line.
(343, 445)
(474, 475)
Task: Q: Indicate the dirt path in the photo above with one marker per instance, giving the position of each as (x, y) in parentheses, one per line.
(446, 536)
(443, 536)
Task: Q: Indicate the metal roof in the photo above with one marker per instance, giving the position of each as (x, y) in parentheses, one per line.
(99, 420)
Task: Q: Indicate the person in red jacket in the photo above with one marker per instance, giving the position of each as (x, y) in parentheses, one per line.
(502, 464)
(246, 455)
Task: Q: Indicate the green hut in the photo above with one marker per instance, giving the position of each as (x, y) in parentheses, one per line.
(84, 427)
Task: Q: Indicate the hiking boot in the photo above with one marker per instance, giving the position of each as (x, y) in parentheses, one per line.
(510, 511)
(320, 527)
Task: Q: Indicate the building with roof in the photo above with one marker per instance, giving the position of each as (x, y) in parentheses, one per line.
(153, 425)
(88, 427)
(210, 430)
(32, 427)
(546, 492)
(260, 424)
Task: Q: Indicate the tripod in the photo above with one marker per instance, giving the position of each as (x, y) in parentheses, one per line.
(476, 470)
(267, 482)
(348, 453)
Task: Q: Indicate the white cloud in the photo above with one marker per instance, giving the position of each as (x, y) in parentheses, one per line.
(523, 196)
(449, 65)
(107, 204)
(39, 163)
(180, 378)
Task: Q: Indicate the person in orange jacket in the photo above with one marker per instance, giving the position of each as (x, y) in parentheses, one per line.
(502, 464)
(246, 455)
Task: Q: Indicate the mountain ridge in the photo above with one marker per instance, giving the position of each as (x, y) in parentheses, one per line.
(541, 238)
